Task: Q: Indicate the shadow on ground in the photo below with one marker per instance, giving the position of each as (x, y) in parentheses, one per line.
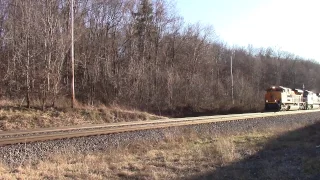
(294, 155)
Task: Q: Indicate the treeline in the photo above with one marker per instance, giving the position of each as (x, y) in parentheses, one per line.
(134, 53)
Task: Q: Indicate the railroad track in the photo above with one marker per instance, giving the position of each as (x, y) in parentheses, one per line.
(45, 134)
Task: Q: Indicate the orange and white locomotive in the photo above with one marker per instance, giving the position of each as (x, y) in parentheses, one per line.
(283, 99)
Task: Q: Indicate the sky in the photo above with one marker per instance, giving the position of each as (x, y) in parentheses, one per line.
(286, 25)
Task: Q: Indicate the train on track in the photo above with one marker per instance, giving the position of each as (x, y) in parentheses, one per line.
(279, 98)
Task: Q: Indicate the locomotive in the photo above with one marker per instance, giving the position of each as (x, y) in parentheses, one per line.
(281, 98)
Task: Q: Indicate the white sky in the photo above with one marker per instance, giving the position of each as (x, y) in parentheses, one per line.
(292, 26)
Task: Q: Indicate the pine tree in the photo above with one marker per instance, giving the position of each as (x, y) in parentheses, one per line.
(143, 26)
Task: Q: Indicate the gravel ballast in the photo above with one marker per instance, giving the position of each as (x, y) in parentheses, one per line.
(17, 154)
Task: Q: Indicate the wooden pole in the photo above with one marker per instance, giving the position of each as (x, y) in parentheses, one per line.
(231, 80)
(72, 55)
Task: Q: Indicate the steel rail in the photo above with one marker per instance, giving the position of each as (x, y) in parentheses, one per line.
(92, 130)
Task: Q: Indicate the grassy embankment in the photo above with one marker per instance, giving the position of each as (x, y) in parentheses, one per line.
(13, 117)
(281, 153)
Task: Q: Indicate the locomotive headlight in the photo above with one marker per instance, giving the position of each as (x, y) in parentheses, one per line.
(275, 100)
(267, 101)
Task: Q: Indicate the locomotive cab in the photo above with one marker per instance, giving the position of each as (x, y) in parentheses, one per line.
(273, 98)
(282, 98)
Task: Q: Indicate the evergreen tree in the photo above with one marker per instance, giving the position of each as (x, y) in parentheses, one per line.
(144, 18)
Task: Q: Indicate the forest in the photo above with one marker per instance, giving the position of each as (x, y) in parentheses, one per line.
(138, 54)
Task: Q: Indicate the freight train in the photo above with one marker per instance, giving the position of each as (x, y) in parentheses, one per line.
(280, 98)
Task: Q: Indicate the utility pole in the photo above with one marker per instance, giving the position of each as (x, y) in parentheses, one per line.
(231, 79)
(72, 55)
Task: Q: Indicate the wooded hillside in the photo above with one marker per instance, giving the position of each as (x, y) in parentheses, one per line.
(134, 53)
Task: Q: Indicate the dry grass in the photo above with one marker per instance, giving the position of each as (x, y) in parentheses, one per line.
(170, 159)
(179, 158)
(19, 118)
